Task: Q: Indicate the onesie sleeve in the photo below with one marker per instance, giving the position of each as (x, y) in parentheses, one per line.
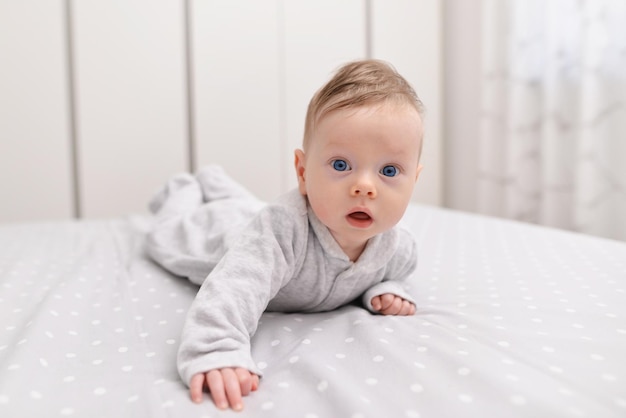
(401, 266)
(225, 313)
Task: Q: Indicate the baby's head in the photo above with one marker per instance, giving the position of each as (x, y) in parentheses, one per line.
(361, 150)
(360, 83)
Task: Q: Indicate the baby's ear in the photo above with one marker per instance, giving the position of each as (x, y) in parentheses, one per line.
(299, 163)
(418, 171)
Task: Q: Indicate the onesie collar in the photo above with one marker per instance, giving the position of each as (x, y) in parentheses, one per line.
(377, 253)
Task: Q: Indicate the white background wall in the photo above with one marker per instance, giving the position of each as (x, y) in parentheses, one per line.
(102, 101)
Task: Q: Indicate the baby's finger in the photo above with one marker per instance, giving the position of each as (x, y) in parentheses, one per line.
(255, 382)
(376, 303)
(387, 300)
(406, 308)
(245, 380)
(216, 387)
(195, 387)
(232, 388)
(395, 307)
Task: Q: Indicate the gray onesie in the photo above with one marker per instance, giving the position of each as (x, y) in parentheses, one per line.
(250, 257)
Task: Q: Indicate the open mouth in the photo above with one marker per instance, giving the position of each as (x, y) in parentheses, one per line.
(359, 219)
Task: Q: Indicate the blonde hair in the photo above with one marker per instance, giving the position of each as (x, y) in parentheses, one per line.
(356, 84)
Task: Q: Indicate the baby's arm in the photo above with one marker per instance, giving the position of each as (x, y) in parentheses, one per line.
(390, 304)
(226, 386)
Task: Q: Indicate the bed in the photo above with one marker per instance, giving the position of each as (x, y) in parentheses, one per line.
(513, 320)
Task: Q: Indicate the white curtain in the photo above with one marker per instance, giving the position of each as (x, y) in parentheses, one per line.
(553, 125)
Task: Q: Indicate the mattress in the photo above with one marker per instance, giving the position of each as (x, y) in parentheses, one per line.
(513, 320)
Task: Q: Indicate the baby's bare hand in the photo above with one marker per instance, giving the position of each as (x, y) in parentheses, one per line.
(390, 304)
(226, 386)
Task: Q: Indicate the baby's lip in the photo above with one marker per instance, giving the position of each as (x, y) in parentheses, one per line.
(360, 218)
(360, 213)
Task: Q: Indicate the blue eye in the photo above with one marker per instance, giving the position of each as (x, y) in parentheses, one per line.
(389, 171)
(340, 165)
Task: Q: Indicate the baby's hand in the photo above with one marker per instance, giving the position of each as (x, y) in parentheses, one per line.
(390, 304)
(225, 385)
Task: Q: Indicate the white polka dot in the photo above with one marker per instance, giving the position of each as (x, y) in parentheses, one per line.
(322, 386)
(43, 362)
(133, 398)
(127, 368)
(518, 400)
(67, 411)
(13, 367)
(463, 371)
(310, 415)
(35, 395)
(122, 349)
(417, 388)
(306, 341)
(555, 369)
(266, 406)
(69, 379)
(170, 341)
(371, 381)
(4, 399)
(597, 357)
(340, 356)
(609, 377)
(275, 343)
(349, 340)
(150, 354)
(294, 359)
(99, 391)
(620, 402)
(97, 362)
(378, 359)
(465, 398)
(284, 385)
(503, 343)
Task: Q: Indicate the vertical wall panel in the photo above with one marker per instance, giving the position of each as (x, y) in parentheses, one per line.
(408, 33)
(35, 169)
(131, 100)
(319, 36)
(237, 90)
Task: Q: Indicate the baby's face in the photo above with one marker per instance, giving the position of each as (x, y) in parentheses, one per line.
(360, 168)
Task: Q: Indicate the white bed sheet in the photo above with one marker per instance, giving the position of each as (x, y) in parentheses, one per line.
(513, 320)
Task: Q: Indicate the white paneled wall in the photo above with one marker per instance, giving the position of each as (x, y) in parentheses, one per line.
(101, 101)
(35, 157)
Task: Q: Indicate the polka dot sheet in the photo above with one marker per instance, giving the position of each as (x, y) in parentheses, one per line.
(513, 320)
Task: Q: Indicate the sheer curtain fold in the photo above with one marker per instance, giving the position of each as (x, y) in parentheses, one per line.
(553, 130)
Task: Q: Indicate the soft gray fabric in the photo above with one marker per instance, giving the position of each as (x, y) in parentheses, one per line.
(279, 259)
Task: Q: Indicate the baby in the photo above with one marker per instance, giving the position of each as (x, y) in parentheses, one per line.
(330, 241)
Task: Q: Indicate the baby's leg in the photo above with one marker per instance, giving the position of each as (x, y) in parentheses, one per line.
(196, 218)
(181, 194)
